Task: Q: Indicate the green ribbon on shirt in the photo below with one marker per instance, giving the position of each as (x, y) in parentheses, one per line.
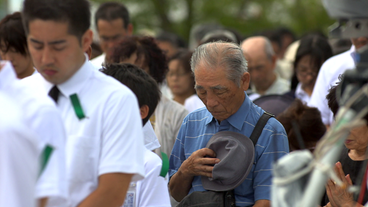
(45, 157)
(165, 164)
(77, 106)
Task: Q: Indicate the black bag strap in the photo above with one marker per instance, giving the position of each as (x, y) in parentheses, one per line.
(257, 131)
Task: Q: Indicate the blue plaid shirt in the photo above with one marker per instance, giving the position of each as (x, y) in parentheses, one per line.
(199, 126)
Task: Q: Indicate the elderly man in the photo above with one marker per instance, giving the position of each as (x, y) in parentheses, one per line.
(261, 65)
(221, 76)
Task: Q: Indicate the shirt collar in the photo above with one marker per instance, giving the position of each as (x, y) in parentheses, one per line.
(76, 82)
(236, 120)
(300, 91)
(7, 74)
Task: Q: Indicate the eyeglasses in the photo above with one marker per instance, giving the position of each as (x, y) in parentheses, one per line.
(305, 72)
(172, 74)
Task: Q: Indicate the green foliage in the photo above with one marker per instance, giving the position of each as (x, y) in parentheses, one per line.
(246, 16)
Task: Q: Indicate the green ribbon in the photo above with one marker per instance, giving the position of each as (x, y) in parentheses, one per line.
(45, 156)
(165, 165)
(77, 106)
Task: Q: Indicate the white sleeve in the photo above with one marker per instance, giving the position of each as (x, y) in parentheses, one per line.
(52, 182)
(18, 167)
(122, 137)
(150, 139)
(153, 191)
(318, 98)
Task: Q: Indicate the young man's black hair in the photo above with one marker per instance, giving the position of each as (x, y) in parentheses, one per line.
(113, 10)
(143, 85)
(12, 35)
(75, 12)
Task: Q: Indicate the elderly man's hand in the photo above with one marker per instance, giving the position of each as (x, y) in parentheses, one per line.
(339, 196)
(200, 163)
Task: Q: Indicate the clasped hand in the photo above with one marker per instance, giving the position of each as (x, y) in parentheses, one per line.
(200, 163)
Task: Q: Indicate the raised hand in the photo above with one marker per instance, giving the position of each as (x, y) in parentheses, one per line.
(200, 163)
(339, 196)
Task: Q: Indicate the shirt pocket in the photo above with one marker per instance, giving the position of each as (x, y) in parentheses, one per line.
(81, 158)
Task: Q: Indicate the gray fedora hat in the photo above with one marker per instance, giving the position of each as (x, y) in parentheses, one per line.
(236, 154)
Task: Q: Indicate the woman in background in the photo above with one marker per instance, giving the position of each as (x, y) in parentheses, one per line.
(313, 51)
(180, 80)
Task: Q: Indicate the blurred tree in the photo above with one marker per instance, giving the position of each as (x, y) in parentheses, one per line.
(246, 16)
(3, 8)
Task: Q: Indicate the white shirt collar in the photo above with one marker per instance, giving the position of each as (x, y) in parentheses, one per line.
(7, 74)
(76, 82)
(299, 91)
(301, 94)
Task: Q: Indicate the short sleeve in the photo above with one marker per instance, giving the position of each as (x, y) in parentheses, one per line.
(122, 136)
(146, 196)
(18, 166)
(52, 183)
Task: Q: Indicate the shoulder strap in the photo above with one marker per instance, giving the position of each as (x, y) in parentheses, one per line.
(257, 131)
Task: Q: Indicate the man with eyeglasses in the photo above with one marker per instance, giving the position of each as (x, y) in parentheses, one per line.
(261, 65)
(113, 23)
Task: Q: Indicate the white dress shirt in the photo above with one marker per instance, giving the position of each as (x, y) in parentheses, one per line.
(108, 140)
(43, 118)
(193, 103)
(328, 77)
(301, 94)
(153, 190)
(150, 140)
(19, 156)
(98, 61)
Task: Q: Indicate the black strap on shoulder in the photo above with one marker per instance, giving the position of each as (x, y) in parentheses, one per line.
(257, 131)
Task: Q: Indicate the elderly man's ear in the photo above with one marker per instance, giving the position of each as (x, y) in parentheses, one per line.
(245, 81)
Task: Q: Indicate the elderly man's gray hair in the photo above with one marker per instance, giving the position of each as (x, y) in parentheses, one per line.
(221, 53)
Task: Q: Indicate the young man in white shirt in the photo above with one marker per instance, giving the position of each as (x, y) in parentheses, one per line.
(153, 189)
(18, 156)
(44, 120)
(101, 116)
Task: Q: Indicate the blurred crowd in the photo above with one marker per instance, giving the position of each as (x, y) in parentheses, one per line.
(128, 120)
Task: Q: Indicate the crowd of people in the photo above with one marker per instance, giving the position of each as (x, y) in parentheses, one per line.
(134, 120)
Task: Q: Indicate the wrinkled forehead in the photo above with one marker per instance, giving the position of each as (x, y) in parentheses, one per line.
(206, 75)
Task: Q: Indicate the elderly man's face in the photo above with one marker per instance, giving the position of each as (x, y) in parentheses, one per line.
(261, 69)
(221, 96)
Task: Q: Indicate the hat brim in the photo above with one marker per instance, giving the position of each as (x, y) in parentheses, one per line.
(208, 184)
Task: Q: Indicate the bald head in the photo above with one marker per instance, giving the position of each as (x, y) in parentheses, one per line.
(261, 62)
(258, 44)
